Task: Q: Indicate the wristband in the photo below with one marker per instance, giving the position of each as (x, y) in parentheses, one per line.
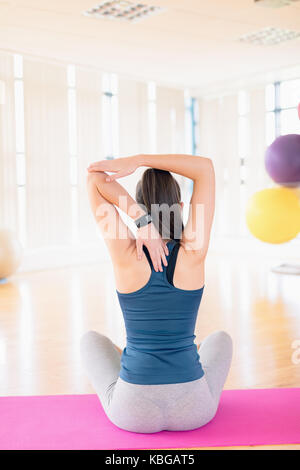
(144, 220)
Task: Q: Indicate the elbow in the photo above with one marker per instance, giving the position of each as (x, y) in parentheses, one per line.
(209, 163)
(205, 167)
(89, 178)
(95, 178)
(210, 167)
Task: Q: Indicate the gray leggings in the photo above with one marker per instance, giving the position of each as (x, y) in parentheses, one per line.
(153, 408)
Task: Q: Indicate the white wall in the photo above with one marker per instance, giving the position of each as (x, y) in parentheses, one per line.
(8, 182)
(51, 215)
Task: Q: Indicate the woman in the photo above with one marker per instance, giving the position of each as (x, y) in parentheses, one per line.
(160, 381)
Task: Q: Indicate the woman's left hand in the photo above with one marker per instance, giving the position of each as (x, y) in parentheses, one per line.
(147, 235)
(120, 166)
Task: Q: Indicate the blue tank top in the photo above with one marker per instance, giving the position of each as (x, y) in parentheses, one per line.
(160, 322)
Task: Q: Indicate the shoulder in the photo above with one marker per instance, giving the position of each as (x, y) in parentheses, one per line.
(131, 274)
(125, 256)
(192, 253)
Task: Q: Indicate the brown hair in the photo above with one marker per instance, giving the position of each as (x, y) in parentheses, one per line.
(158, 191)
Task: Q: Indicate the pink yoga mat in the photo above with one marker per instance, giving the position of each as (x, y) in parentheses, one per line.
(244, 417)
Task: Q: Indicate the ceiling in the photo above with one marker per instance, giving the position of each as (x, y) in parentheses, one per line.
(193, 43)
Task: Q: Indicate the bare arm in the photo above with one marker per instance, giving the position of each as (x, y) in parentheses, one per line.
(117, 236)
(117, 195)
(190, 166)
(196, 234)
(104, 198)
(202, 205)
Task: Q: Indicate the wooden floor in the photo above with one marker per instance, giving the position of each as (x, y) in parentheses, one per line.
(43, 315)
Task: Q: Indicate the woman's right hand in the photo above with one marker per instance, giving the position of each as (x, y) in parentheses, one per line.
(157, 247)
(119, 166)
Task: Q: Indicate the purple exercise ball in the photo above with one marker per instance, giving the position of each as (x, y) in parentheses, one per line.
(282, 160)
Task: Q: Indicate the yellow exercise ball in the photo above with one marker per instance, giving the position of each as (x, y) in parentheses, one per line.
(10, 253)
(273, 215)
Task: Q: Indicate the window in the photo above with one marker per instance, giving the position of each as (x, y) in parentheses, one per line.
(191, 127)
(73, 152)
(110, 115)
(243, 151)
(191, 123)
(19, 119)
(72, 118)
(152, 122)
(243, 132)
(281, 100)
(20, 146)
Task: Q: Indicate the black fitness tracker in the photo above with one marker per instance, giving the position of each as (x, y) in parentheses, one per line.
(144, 220)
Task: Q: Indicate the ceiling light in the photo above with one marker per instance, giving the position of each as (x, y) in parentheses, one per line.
(274, 3)
(269, 36)
(123, 10)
